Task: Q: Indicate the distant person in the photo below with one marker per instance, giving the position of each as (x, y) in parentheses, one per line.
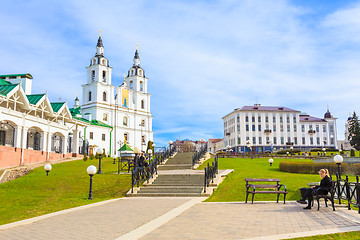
(142, 160)
(322, 189)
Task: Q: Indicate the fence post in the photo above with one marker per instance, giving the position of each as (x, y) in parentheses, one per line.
(357, 189)
(347, 187)
(338, 183)
(205, 184)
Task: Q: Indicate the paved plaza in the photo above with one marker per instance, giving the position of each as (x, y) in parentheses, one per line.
(183, 218)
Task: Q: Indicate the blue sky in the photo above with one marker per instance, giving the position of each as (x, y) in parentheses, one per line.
(202, 58)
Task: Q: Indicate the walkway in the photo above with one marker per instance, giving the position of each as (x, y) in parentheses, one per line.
(183, 218)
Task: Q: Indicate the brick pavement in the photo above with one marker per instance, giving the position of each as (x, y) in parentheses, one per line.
(184, 218)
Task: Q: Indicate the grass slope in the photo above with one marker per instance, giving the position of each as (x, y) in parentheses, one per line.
(337, 236)
(66, 186)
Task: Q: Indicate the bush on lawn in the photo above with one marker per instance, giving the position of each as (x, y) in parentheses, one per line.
(91, 156)
(326, 150)
(313, 168)
(96, 156)
(289, 151)
(85, 158)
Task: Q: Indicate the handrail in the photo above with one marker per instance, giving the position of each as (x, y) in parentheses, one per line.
(349, 191)
(210, 173)
(144, 173)
(198, 155)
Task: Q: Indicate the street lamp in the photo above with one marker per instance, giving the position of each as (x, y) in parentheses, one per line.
(91, 170)
(99, 151)
(338, 159)
(323, 149)
(114, 157)
(248, 145)
(47, 168)
(287, 153)
(170, 143)
(271, 161)
(291, 150)
(149, 153)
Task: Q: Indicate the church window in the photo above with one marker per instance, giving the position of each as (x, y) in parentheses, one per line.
(104, 96)
(143, 123)
(104, 76)
(131, 84)
(125, 137)
(94, 61)
(89, 96)
(103, 137)
(105, 117)
(143, 140)
(132, 72)
(141, 86)
(142, 104)
(91, 135)
(125, 121)
(103, 62)
(140, 72)
(92, 75)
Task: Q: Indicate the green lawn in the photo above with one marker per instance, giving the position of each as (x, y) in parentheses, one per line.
(233, 187)
(66, 186)
(339, 236)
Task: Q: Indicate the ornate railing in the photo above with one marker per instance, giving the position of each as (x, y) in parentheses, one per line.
(210, 173)
(198, 155)
(348, 191)
(143, 173)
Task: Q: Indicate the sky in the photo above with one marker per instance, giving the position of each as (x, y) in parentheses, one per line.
(203, 58)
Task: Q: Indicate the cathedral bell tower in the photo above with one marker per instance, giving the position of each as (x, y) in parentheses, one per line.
(136, 79)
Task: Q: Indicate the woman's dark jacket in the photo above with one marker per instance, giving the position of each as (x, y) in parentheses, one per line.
(324, 187)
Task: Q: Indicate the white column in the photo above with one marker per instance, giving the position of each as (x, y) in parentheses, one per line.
(18, 134)
(75, 144)
(64, 144)
(23, 143)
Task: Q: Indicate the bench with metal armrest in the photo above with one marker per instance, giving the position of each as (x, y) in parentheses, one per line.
(253, 186)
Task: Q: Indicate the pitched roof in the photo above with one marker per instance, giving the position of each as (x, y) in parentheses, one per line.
(3, 82)
(215, 140)
(56, 106)
(265, 108)
(125, 147)
(34, 98)
(74, 111)
(28, 75)
(308, 118)
(5, 89)
(99, 123)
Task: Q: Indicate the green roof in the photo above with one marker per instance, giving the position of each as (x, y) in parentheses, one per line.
(34, 98)
(125, 148)
(3, 82)
(28, 75)
(56, 106)
(74, 111)
(99, 123)
(81, 119)
(5, 89)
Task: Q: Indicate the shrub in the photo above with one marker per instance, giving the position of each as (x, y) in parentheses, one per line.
(92, 156)
(354, 168)
(352, 153)
(313, 168)
(290, 151)
(85, 158)
(326, 150)
(96, 156)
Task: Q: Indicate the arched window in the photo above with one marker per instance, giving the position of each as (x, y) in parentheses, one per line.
(125, 121)
(140, 72)
(131, 84)
(94, 61)
(143, 123)
(132, 72)
(92, 75)
(104, 76)
(141, 86)
(103, 62)
(142, 104)
(143, 140)
(89, 96)
(105, 117)
(126, 137)
(104, 96)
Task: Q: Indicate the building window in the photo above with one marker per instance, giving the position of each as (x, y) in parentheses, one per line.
(131, 84)
(288, 140)
(288, 128)
(274, 119)
(238, 118)
(288, 119)
(141, 86)
(104, 96)
(281, 128)
(140, 72)
(274, 140)
(267, 126)
(282, 140)
(260, 140)
(331, 140)
(274, 127)
(239, 140)
(125, 121)
(325, 140)
(91, 135)
(247, 119)
(143, 122)
(105, 117)
(247, 127)
(303, 140)
(253, 127)
(126, 137)
(253, 118)
(310, 127)
(104, 76)
(318, 141)
(317, 128)
(142, 104)
(311, 140)
(324, 128)
(94, 62)
(302, 128)
(89, 96)
(103, 62)
(103, 137)
(266, 119)
(331, 128)
(238, 128)
(143, 140)
(259, 127)
(295, 140)
(294, 119)
(92, 75)
(295, 128)
(259, 119)
(281, 119)
(254, 140)
(267, 140)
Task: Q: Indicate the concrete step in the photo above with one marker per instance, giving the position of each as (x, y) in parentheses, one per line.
(166, 195)
(170, 189)
(177, 184)
(174, 166)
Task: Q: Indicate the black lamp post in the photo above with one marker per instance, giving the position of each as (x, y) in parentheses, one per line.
(114, 156)
(99, 151)
(338, 159)
(47, 168)
(91, 170)
(271, 161)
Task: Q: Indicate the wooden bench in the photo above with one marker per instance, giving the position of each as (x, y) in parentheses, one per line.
(330, 196)
(273, 188)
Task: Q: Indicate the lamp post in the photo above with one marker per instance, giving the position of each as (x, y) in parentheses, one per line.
(47, 168)
(291, 150)
(338, 159)
(170, 143)
(114, 157)
(91, 170)
(287, 154)
(323, 149)
(99, 151)
(271, 161)
(149, 153)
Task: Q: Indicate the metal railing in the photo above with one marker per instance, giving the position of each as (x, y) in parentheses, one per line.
(143, 173)
(198, 155)
(210, 173)
(348, 191)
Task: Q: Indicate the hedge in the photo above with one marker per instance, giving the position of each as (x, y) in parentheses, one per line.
(288, 151)
(326, 150)
(313, 168)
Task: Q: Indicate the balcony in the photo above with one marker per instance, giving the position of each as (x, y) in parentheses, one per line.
(227, 134)
(267, 131)
(289, 143)
(311, 131)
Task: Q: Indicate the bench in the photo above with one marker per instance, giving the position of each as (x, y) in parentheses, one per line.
(330, 196)
(272, 188)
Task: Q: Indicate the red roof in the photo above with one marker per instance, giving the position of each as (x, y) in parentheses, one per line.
(265, 108)
(215, 140)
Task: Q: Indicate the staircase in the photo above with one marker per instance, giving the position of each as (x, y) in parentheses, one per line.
(175, 179)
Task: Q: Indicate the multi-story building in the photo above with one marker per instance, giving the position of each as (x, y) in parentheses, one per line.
(265, 128)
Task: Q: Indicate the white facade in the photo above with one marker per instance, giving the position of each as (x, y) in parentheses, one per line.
(265, 128)
(125, 108)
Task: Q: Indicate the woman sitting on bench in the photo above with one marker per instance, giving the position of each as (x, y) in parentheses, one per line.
(323, 189)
